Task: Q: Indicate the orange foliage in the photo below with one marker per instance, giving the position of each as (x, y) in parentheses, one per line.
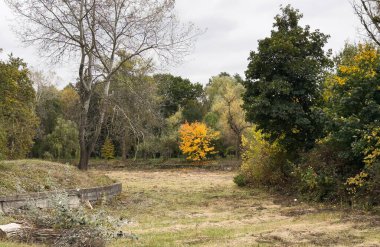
(196, 140)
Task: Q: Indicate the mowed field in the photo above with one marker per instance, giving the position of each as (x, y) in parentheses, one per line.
(205, 208)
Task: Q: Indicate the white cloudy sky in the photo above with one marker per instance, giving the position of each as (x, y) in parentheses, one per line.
(233, 28)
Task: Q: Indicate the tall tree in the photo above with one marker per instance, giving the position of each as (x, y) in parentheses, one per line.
(18, 120)
(283, 82)
(94, 31)
(353, 103)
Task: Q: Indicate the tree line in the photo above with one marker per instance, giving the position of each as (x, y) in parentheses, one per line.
(142, 119)
(302, 119)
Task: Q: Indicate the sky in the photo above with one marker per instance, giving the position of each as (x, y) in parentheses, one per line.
(232, 29)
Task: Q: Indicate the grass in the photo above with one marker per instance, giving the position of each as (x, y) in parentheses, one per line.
(24, 176)
(204, 208)
(198, 207)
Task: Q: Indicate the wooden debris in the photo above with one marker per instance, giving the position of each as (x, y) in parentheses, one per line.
(88, 204)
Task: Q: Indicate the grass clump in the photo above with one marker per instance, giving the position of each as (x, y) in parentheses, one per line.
(24, 176)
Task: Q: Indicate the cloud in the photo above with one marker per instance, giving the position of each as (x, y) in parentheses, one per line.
(228, 50)
(233, 28)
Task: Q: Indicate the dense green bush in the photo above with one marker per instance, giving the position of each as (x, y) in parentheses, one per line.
(318, 175)
(239, 180)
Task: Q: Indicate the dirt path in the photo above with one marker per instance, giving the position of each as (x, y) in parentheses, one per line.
(202, 208)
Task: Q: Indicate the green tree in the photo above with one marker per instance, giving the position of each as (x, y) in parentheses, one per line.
(178, 93)
(17, 109)
(48, 108)
(193, 111)
(283, 82)
(3, 140)
(62, 143)
(347, 158)
(353, 102)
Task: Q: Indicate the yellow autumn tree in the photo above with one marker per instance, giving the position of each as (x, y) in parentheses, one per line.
(196, 140)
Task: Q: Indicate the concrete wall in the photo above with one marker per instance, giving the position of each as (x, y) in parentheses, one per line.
(43, 199)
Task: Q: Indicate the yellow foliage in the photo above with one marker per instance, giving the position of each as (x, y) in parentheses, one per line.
(372, 153)
(356, 182)
(364, 64)
(195, 140)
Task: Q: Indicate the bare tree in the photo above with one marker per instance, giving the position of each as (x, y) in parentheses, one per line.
(93, 32)
(368, 12)
(42, 80)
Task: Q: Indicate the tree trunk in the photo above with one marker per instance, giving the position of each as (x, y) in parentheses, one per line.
(83, 135)
(123, 150)
(84, 158)
(124, 146)
(238, 146)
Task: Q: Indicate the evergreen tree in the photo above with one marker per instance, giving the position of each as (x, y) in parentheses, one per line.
(108, 149)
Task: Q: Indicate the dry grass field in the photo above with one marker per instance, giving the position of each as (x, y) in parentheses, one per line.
(197, 207)
(205, 208)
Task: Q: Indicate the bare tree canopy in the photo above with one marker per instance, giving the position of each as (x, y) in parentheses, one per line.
(96, 32)
(104, 27)
(368, 12)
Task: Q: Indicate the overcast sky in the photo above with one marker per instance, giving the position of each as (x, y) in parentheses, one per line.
(232, 30)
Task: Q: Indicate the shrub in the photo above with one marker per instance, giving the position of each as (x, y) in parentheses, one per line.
(263, 163)
(239, 180)
(327, 174)
(364, 187)
(318, 175)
